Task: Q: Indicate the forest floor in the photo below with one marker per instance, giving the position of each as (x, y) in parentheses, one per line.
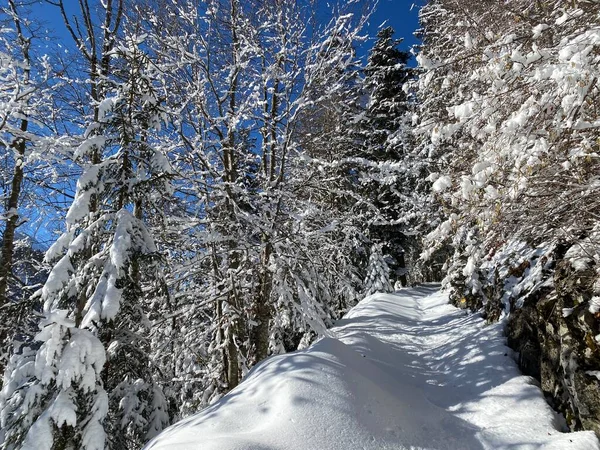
(400, 371)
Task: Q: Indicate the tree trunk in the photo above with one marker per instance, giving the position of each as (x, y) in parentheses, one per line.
(12, 222)
(233, 367)
(235, 327)
(262, 308)
(402, 264)
(8, 238)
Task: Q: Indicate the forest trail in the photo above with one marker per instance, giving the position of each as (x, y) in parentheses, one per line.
(400, 371)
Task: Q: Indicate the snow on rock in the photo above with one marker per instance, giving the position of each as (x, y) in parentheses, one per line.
(403, 371)
(442, 183)
(594, 373)
(538, 30)
(580, 256)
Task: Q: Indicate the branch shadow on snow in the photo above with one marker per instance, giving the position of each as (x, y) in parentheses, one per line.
(456, 359)
(312, 395)
(472, 363)
(400, 374)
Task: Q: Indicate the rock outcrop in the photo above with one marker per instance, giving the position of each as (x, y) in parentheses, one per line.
(553, 323)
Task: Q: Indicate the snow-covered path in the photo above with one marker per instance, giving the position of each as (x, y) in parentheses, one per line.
(400, 371)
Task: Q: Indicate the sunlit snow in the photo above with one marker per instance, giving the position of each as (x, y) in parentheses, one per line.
(400, 371)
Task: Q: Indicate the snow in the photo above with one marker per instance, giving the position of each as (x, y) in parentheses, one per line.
(442, 183)
(105, 106)
(580, 256)
(82, 361)
(491, 192)
(400, 371)
(566, 312)
(58, 278)
(93, 436)
(63, 409)
(57, 249)
(39, 436)
(468, 41)
(539, 29)
(463, 111)
(594, 373)
(88, 145)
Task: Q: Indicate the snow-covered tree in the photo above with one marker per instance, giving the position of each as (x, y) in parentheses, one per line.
(91, 383)
(223, 211)
(269, 262)
(384, 131)
(508, 112)
(378, 272)
(28, 156)
(386, 75)
(16, 90)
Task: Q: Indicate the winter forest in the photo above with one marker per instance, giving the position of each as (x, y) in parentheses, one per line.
(189, 187)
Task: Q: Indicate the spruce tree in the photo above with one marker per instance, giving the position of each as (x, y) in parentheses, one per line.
(378, 272)
(90, 384)
(386, 74)
(385, 135)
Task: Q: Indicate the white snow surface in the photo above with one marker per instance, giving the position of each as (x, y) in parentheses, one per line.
(400, 371)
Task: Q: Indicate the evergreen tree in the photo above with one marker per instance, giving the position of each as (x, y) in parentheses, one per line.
(378, 273)
(92, 374)
(386, 75)
(386, 139)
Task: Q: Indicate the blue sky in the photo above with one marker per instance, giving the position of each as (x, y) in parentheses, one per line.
(399, 14)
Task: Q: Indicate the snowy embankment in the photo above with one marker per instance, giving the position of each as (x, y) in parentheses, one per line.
(403, 371)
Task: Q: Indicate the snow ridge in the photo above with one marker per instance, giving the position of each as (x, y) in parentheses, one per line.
(404, 371)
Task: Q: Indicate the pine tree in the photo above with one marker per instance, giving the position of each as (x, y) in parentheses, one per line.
(385, 135)
(90, 383)
(378, 272)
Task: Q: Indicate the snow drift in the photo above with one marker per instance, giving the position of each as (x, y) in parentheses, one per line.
(404, 371)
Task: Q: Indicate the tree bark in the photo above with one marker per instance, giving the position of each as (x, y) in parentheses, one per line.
(19, 144)
(262, 308)
(230, 177)
(8, 238)
(402, 264)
